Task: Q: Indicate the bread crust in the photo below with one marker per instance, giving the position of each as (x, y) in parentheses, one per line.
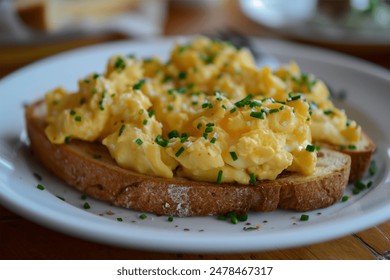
(361, 156)
(103, 179)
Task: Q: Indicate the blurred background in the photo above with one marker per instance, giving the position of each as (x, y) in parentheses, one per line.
(33, 29)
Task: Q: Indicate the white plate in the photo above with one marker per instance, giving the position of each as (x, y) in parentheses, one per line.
(303, 19)
(367, 101)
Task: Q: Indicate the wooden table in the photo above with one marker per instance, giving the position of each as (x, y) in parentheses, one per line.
(22, 239)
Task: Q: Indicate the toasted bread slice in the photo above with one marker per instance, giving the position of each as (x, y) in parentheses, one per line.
(101, 178)
(360, 154)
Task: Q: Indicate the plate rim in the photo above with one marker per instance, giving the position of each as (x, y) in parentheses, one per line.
(267, 245)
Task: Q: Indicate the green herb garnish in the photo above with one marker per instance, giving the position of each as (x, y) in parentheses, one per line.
(258, 115)
(373, 168)
(40, 187)
(234, 156)
(253, 179)
(121, 129)
(219, 177)
(310, 148)
(120, 64)
(161, 141)
(86, 205)
(304, 217)
(179, 152)
(139, 142)
(139, 84)
(173, 134)
(142, 216)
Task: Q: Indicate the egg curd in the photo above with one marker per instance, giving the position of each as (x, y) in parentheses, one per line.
(207, 114)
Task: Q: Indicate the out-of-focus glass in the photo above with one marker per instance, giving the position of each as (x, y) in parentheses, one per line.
(43, 20)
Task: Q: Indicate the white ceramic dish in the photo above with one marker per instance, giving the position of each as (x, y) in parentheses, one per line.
(367, 101)
(301, 19)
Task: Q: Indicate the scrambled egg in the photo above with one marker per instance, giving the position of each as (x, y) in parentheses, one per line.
(207, 114)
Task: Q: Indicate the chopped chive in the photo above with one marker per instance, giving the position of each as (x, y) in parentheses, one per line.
(213, 140)
(182, 75)
(205, 135)
(310, 148)
(369, 184)
(151, 113)
(245, 101)
(281, 107)
(355, 191)
(72, 112)
(208, 129)
(67, 139)
(257, 115)
(194, 103)
(119, 219)
(142, 216)
(210, 124)
(139, 142)
(234, 156)
(86, 205)
(219, 178)
(255, 104)
(173, 134)
(348, 123)
(139, 84)
(224, 107)
(184, 137)
(206, 105)
(170, 219)
(253, 179)
(360, 185)
(95, 76)
(344, 198)
(234, 220)
(328, 112)
(77, 119)
(199, 126)
(161, 141)
(352, 147)
(120, 64)
(304, 217)
(233, 110)
(59, 197)
(292, 98)
(145, 122)
(179, 152)
(275, 110)
(373, 168)
(40, 187)
(97, 156)
(121, 129)
(243, 217)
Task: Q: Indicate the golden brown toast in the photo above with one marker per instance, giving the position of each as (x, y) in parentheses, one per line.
(89, 168)
(360, 154)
